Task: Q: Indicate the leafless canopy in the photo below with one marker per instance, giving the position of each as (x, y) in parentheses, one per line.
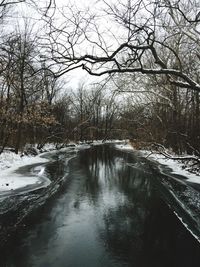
(140, 36)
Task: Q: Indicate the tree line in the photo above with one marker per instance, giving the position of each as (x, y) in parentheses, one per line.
(147, 51)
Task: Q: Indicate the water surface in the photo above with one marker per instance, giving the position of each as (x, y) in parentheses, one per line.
(110, 213)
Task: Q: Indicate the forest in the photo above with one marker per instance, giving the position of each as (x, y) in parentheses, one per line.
(146, 53)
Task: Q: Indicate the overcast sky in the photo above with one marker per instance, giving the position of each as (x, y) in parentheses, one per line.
(79, 76)
(75, 77)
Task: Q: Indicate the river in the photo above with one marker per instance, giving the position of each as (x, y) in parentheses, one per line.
(110, 213)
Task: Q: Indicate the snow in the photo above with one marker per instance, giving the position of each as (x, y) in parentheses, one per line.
(175, 166)
(13, 161)
(13, 182)
(10, 162)
(100, 142)
(124, 146)
(10, 180)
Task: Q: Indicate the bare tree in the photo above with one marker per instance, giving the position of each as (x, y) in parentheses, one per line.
(143, 33)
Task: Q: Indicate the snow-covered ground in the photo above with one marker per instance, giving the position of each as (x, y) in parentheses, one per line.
(9, 163)
(11, 180)
(124, 146)
(175, 166)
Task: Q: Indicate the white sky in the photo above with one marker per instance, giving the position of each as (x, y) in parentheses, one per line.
(78, 76)
(75, 77)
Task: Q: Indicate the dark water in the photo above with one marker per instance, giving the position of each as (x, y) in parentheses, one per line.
(110, 213)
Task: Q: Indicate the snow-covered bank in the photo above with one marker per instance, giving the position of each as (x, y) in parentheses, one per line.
(124, 146)
(176, 167)
(10, 180)
(10, 162)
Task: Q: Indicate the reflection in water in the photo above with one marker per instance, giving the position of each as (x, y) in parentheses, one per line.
(110, 214)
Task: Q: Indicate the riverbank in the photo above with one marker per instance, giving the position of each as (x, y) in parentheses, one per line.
(10, 162)
(20, 204)
(176, 167)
